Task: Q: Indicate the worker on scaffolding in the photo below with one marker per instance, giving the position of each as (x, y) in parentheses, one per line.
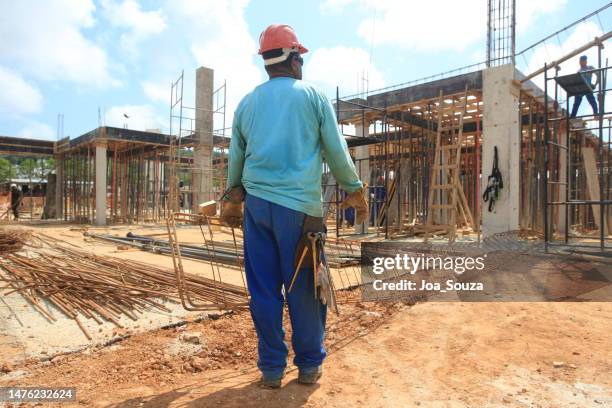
(586, 71)
(280, 132)
(16, 197)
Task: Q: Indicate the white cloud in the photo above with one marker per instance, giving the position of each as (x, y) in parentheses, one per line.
(528, 11)
(140, 117)
(551, 51)
(37, 130)
(343, 67)
(432, 25)
(220, 40)
(18, 96)
(333, 6)
(157, 92)
(138, 23)
(44, 39)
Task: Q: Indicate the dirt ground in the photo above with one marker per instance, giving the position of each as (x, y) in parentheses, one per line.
(427, 355)
(431, 354)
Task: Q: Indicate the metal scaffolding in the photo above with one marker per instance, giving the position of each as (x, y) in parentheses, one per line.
(577, 160)
(183, 140)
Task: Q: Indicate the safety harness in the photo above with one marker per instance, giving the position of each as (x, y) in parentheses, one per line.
(494, 183)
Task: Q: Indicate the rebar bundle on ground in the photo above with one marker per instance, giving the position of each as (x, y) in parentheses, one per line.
(103, 288)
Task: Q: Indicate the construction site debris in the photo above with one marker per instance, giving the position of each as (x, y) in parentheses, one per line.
(101, 288)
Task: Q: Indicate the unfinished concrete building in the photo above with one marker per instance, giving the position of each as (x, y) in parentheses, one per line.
(396, 149)
(425, 148)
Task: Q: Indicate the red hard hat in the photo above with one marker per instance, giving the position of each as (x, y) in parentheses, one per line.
(279, 36)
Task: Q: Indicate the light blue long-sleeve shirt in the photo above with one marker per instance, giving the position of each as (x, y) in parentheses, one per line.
(280, 133)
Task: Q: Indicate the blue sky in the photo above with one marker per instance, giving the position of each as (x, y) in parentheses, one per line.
(120, 56)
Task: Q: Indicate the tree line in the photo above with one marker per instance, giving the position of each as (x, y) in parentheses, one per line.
(12, 167)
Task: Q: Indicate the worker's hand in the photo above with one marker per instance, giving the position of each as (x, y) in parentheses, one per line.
(358, 201)
(231, 207)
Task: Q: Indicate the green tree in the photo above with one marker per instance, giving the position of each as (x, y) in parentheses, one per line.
(46, 166)
(27, 168)
(7, 171)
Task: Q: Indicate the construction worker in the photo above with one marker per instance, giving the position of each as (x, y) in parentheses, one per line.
(16, 197)
(281, 131)
(587, 76)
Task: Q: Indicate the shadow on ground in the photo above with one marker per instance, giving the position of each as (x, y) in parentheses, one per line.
(240, 389)
(244, 394)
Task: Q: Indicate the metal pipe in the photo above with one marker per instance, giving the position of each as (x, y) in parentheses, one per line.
(595, 41)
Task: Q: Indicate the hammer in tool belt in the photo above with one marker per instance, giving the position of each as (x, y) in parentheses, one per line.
(314, 242)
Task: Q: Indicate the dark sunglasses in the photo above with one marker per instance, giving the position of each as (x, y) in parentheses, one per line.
(299, 59)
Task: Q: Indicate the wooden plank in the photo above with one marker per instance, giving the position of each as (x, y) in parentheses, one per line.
(592, 180)
(434, 174)
(388, 198)
(452, 166)
(444, 176)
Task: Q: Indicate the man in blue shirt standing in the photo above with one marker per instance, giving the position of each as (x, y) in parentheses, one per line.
(587, 76)
(280, 134)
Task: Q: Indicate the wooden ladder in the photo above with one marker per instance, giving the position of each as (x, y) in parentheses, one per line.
(446, 196)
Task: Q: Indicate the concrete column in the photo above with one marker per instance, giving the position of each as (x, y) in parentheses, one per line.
(501, 128)
(202, 152)
(362, 157)
(50, 202)
(101, 184)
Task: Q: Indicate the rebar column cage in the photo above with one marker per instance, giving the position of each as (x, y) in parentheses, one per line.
(577, 160)
(182, 125)
(501, 24)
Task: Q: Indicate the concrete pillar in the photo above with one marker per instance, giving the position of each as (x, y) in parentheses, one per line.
(59, 187)
(202, 152)
(362, 157)
(501, 128)
(50, 201)
(101, 183)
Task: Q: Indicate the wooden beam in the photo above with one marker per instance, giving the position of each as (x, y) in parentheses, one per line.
(592, 180)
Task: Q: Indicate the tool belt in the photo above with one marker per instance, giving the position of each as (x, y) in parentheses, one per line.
(311, 225)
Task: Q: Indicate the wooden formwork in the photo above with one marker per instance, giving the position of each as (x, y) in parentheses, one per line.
(401, 157)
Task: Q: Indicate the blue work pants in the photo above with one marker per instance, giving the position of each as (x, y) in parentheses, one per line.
(271, 235)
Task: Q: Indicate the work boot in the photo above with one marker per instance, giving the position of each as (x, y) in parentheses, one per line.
(310, 375)
(271, 382)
